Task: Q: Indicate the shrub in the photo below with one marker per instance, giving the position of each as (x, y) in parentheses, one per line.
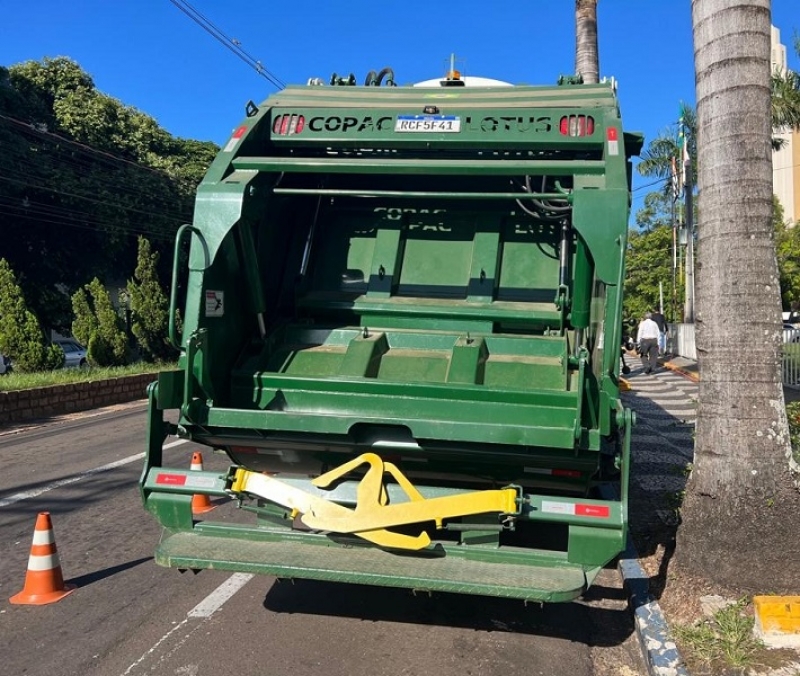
(85, 323)
(149, 306)
(21, 336)
(99, 326)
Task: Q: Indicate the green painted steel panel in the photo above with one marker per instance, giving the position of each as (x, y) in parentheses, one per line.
(547, 581)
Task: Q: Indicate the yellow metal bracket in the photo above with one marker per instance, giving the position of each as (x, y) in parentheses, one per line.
(373, 514)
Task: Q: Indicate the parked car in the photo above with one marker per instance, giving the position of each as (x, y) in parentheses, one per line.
(74, 353)
(791, 334)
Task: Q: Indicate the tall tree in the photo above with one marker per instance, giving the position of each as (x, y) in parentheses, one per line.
(740, 498)
(587, 61)
(658, 157)
(149, 305)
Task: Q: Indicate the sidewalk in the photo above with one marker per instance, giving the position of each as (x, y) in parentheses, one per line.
(662, 444)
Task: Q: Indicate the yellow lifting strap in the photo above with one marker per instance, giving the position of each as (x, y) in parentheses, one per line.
(373, 514)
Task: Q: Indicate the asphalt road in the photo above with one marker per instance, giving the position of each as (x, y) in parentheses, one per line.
(129, 617)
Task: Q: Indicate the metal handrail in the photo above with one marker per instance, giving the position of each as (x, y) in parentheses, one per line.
(173, 295)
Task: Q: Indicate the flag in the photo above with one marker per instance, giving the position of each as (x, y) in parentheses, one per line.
(676, 188)
(684, 161)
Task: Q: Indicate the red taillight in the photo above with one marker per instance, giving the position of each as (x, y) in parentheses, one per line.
(576, 125)
(288, 125)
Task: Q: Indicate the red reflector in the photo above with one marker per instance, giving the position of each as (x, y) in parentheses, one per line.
(592, 510)
(572, 473)
(239, 132)
(276, 125)
(285, 124)
(562, 126)
(611, 134)
(171, 479)
(301, 123)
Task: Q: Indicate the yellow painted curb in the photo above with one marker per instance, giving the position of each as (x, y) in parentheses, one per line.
(777, 620)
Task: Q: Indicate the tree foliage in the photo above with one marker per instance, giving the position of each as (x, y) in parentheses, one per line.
(787, 250)
(84, 324)
(149, 306)
(649, 268)
(21, 337)
(82, 172)
(99, 326)
(785, 103)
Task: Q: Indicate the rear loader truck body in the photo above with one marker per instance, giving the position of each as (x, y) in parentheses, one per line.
(402, 323)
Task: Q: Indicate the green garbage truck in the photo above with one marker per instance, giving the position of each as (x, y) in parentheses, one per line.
(400, 318)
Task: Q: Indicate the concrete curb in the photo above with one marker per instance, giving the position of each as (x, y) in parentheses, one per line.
(659, 651)
(686, 374)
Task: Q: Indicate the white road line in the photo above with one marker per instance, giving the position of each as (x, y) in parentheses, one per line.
(215, 599)
(27, 495)
(203, 610)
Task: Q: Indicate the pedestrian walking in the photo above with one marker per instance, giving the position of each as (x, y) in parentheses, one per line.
(663, 329)
(647, 339)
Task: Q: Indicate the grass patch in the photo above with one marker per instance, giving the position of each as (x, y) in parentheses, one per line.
(27, 381)
(722, 643)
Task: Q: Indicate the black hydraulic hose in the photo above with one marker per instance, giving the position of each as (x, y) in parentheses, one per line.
(371, 79)
(389, 81)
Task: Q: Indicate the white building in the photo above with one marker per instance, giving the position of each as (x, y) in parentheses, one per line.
(786, 161)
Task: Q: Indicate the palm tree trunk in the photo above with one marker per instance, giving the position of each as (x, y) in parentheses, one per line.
(739, 496)
(587, 61)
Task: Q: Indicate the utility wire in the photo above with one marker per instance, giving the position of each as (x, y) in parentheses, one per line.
(91, 199)
(32, 129)
(67, 220)
(234, 45)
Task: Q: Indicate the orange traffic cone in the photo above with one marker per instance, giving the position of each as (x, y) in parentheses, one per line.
(44, 582)
(200, 503)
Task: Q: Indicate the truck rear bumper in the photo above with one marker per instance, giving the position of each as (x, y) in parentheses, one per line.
(550, 579)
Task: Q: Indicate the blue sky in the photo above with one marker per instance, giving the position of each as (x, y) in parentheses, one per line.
(150, 55)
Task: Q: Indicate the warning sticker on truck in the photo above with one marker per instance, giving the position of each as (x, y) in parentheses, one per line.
(215, 303)
(234, 139)
(576, 509)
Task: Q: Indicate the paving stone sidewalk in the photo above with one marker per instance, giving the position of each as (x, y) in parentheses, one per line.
(665, 404)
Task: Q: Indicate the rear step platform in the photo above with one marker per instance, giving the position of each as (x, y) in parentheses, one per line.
(432, 570)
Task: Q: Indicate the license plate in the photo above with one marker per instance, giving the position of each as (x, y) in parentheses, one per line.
(429, 123)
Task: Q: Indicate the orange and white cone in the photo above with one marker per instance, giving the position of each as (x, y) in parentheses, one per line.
(200, 503)
(44, 582)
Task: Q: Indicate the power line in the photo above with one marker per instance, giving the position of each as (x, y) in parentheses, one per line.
(44, 133)
(91, 199)
(85, 160)
(64, 221)
(232, 44)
